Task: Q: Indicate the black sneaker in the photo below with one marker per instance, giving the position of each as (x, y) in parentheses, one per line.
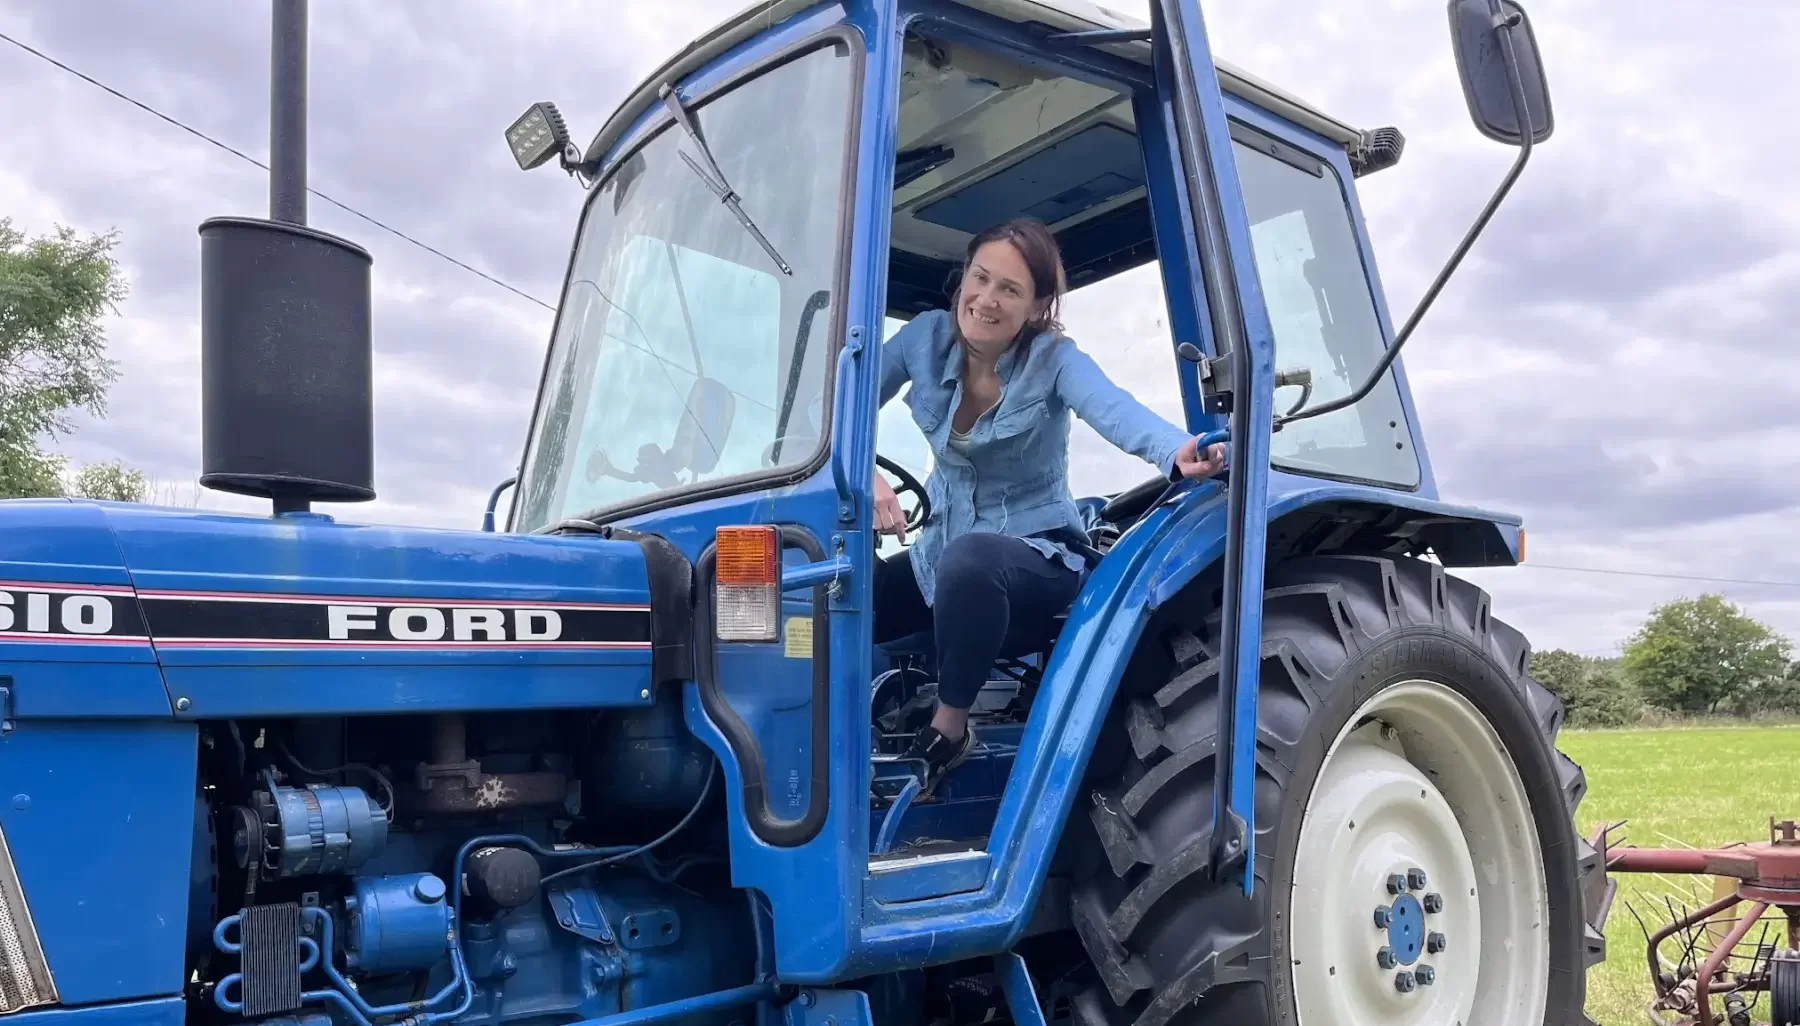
(941, 754)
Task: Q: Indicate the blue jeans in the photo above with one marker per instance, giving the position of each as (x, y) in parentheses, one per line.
(995, 595)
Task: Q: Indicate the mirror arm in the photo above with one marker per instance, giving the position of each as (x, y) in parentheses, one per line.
(1504, 26)
(493, 503)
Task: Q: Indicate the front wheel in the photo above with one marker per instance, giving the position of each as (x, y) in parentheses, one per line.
(1416, 858)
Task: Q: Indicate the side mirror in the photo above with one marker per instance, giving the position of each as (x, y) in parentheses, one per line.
(1503, 80)
(700, 437)
(1493, 44)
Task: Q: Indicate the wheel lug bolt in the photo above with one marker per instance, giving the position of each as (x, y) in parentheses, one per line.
(1383, 916)
(1433, 902)
(1385, 957)
(1426, 975)
(1435, 943)
(1396, 884)
(1415, 878)
(1403, 982)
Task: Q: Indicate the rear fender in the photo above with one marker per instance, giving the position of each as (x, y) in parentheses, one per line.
(1308, 515)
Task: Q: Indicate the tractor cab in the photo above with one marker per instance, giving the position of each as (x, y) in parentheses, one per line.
(772, 205)
(702, 341)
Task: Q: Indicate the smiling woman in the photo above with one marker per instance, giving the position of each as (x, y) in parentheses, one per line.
(994, 384)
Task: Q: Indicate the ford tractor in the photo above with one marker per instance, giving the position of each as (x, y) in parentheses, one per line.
(626, 753)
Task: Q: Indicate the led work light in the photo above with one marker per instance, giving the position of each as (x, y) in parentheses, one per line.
(538, 135)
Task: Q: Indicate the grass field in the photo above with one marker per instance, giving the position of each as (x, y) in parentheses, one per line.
(1692, 786)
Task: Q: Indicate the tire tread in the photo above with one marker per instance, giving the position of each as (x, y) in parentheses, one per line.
(1167, 944)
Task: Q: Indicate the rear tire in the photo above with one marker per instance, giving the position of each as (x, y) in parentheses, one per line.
(1380, 677)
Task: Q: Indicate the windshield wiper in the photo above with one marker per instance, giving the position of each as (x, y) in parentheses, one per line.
(715, 180)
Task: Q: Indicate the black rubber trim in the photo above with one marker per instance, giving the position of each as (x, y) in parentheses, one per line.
(671, 605)
(768, 827)
(1262, 142)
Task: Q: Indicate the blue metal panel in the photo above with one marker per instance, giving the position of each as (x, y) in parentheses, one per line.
(813, 936)
(724, 68)
(760, 684)
(1176, 255)
(952, 874)
(1291, 492)
(1079, 681)
(57, 542)
(100, 820)
(180, 552)
(243, 682)
(1252, 409)
(829, 1008)
(1021, 996)
(161, 1012)
(183, 550)
(954, 20)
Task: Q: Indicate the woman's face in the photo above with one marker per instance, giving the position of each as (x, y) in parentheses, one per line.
(997, 298)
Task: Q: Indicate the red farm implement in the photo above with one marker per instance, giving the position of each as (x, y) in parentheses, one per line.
(1716, 978)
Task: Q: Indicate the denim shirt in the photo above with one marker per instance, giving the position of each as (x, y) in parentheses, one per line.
(1014, 479)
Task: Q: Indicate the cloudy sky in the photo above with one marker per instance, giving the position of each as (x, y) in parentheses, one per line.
(1615, 361)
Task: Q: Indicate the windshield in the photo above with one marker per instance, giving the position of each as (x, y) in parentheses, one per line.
(1323, 316)
(683, 355)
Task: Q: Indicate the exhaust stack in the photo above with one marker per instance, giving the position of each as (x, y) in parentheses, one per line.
(287, 408)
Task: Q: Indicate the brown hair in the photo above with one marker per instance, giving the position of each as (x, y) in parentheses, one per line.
(1043, 258)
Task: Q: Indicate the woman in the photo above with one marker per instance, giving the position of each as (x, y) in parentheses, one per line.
(993, 383)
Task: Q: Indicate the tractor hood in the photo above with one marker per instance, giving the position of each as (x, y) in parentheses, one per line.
(299, 615)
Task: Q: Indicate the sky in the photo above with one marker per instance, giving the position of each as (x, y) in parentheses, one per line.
(1614, 361)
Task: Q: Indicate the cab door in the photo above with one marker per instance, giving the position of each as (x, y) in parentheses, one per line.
(1238, 372)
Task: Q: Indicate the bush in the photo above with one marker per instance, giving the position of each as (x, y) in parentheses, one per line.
(1773, 696)
(109, 481)
(1593, 692)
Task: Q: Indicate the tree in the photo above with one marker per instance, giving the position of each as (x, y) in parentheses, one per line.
(1704, 656)
(1786, 696)
(53, 292)
(1593, 692)
(111, 481)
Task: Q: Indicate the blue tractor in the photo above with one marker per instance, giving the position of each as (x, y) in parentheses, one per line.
(633, 757)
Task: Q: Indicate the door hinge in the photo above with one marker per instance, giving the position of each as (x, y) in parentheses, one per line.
(1215, 384)
(1228, 856)
(1215, 378)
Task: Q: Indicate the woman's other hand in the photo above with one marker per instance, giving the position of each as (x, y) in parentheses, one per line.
(1190, 463)
(889, 518)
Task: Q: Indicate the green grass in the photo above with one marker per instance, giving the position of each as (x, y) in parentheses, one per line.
(1692, 786)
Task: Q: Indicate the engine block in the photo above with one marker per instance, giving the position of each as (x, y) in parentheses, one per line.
(336, 904)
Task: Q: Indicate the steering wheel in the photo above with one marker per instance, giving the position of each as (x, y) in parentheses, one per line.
(1134, 502)
(908, 483)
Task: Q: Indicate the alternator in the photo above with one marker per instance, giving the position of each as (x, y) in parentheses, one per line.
(298, 831)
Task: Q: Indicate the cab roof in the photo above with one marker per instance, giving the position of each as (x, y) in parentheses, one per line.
(983, 138)
(1064, 15)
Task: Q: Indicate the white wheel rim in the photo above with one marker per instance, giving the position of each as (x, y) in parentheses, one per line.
(1418, 779)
